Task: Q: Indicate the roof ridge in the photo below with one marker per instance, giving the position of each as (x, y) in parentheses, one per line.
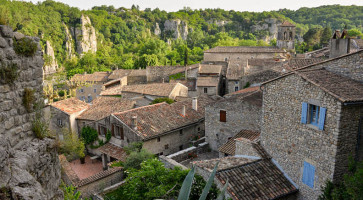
(139, 108)
(245, 164)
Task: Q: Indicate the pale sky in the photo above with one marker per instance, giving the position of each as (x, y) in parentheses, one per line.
(237, 5)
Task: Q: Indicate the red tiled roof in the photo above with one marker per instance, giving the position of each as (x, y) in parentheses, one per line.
(260, 179)
(155, 89)
(103, 106)
(342, 88)
(230, 147)
(287, 23)
(244, 49)
(71, 105)
(114, 151)
(157, 119)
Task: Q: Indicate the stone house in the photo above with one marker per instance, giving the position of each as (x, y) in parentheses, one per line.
(113, 83)
(63, 115)
(286, 36)
(209, 79)
(164, 129)
(342, 43)
(101, 107)
(312, 121)
(144, 94)
(226, 117)
(241, 144)
(134, 76)
(94, 84)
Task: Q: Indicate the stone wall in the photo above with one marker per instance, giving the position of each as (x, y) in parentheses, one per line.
(184, 154)
(29, 167)
(240, 115)
(158, 73)
(235, 56)
(170, 163)
(339, 47)
(259, 77)
(210, 90)
(289, 141)
(89, 93)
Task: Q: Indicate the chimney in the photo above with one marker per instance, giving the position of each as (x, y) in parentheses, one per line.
(195, 104)
(183, 111)
(134, 122)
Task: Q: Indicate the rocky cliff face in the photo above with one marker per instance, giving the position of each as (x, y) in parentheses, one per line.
(29, 167)
(157, 30)
(51, 65)
(270, 25)
(85, 36)
(69, 42)
(177, 27)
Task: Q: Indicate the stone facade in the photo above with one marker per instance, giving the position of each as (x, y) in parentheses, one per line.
(241, 113)
(29, 167)
(89, 93)
(339, 47)
(291, 143)
(286, 36)
(259, 77)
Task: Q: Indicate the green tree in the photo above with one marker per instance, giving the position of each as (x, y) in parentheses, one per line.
(162, 99)
(325, 36)
(71, 146)
(89, 135)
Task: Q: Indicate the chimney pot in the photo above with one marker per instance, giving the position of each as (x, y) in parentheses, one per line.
(134, 122)
(195, 104)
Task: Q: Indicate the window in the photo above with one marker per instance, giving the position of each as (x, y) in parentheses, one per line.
(60, 122)
(89, 98)
(81, 90)
(222, 116)
(158, 139)
(94, 90)
(290, 36)
(119, 132)
(166, 146)
(180, 147)
(308, 174)
(236, 88)
(313, 114)
(181, 132)
(236, 82)
(102, 130)
(225, 59)
(82, 98)
(198, 129)
(205, 90)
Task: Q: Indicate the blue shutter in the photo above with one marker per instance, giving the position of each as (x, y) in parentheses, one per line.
(304, 112)
(308, 174)
(322, 118)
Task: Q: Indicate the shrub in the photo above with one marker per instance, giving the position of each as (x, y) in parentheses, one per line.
(28, 99)
(40, 127)
(163, 99)
(61, 93)
(117, 164)
(108, 136)
(247, 85)
(25, 47)
(134, 160)
(72, 146)
(8, 73)
(89, 135)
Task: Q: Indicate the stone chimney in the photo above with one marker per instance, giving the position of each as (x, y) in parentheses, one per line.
(183, 111)
(195, 104)
(134, 122)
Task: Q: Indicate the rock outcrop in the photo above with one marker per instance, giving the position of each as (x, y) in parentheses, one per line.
(85, 36)
(177, 27)
(157, 30)
(270, 25)
(29, 167)
(217, 22)
(51, 65)
(69, 42)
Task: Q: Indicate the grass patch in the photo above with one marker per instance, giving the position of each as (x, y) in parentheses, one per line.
(8, 73)
(28, 99)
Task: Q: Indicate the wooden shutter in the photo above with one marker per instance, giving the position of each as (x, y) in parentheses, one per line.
(322, 118)
(304, 113)
(113, 130)
(308, 174)
(121, 128)
(223, 116)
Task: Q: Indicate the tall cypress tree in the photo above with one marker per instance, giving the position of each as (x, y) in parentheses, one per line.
(186, 56)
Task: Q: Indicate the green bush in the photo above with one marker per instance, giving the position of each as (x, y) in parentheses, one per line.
(248, 84)
(89, 135)
(72, 147)
(163, 99)
(25, 47)
(61, 93)
(40, 128)
(8, 73)
(108, 136)
(28, 99)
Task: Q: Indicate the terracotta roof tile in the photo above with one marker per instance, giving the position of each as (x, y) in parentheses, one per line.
(99, 176)
(244, 49)
(155, 89)
(342, 88)
(155, 120)
(260, 179)
(209, 69)
(287, 23)
(209, 81)
(114, 151)
(71, 105)
(244, 91)
(224, 163)
(230, 147)
(95, 77)
(103, 106)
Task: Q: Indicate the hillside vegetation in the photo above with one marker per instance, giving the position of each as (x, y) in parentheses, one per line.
(134, 38)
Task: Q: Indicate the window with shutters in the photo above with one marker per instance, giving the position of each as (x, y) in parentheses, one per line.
(119, 132)
(222, 116)
(308, 174)
(313, 114)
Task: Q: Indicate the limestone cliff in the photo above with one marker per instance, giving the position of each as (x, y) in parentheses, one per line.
(157, 30)
(50, 65)
(85, 36)
(29, 167)
(69, 42)
(177, 27)
(270, 25)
